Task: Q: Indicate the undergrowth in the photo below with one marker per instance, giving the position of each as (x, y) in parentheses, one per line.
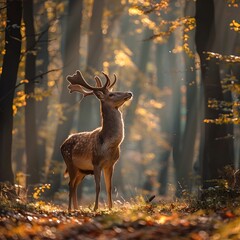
(214, 216)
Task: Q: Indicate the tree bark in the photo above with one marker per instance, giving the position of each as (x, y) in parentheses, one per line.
(33, 167)
(8, 79)
(42, 67)
(218, 148)
(71, 61)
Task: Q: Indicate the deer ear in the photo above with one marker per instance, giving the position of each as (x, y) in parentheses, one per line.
(99, 94)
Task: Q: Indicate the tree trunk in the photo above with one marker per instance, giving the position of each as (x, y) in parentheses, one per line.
(130, 111)
(71, 61)
(89, 114)
(95, 40)
(170, 114)
(185, 158)
(41, 68)
(8, 79)
(33, 167)
(165, 115)
(218, 148)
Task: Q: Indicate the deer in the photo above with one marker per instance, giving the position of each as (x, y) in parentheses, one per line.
(92, 152)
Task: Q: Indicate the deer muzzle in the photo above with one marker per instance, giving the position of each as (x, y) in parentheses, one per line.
(129, 96)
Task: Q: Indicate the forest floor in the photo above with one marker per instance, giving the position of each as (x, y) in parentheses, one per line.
(135, 219)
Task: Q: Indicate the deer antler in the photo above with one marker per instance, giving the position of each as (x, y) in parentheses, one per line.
(109, 85)
(114, 81)
(79, 84)
(78, 88)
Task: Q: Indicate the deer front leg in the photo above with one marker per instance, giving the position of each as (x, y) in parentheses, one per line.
(108, 183)
(97, 177)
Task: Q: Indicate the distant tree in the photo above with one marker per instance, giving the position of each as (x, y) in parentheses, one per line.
(8, 80)
(184, 160)
(130, 114)
(71, 62)
(168, 81)
(89, 113)
(41, 68)
(33, 167)
(164, 83)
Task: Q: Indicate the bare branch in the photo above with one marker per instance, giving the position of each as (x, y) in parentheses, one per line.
(25, 82)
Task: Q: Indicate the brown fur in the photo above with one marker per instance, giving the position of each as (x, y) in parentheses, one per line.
(91, 152)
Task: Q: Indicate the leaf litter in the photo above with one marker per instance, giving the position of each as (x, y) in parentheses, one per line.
(130, 220)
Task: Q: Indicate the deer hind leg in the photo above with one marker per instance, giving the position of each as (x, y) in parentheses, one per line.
(78, 180)
(108, 183)
(73, 174)
(97, 177)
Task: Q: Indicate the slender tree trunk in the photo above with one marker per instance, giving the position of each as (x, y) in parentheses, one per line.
(170, 114)
(218, 148)
(71, 61)
(95, 40)
(8, 79)
(42, 67)
(185, 158)
(89, 114)
(130, 111)
(165, 115)
(33, 167)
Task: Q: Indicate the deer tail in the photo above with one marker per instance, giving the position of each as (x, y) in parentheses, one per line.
(66, 173)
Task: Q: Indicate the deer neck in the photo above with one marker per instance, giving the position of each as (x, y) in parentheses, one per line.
(112, 124)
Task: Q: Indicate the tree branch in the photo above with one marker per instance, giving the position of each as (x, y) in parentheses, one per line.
(30, 80)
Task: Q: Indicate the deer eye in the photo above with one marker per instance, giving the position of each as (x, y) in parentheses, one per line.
(111, 95)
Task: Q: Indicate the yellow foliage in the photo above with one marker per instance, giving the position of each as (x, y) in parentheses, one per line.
(156, 104)
(122, 58)
(149, 23)
(19, 101)
(178, 49)
(233, 3)
(51, 83)
(224, 58)
(135, 11)
(24, 81)
(235, 26)
(40, 93)
(142, 111)
(39, 190)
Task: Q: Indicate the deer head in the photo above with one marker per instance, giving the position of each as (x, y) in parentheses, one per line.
(103, 92)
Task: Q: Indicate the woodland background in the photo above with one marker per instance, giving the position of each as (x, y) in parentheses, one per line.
(181, 60)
